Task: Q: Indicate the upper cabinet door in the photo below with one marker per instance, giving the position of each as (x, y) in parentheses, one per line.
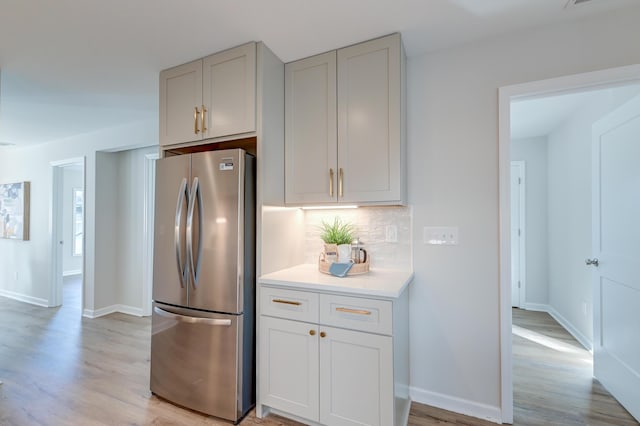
(181, 103)
(310, 130)
(229, 91)
(369, 122)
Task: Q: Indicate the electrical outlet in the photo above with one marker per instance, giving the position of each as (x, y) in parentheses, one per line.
(391, 234)
(441, 235)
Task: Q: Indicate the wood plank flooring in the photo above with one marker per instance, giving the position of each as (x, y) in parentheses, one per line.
(61, 369)
(553, 377)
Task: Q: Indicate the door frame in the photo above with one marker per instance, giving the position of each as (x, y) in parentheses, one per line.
(578, 82)
(522, 246)
(55, 231)
(148, 228)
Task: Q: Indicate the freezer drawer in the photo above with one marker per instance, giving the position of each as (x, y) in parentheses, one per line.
(195, 360)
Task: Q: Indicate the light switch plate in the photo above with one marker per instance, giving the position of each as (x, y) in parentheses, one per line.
(441, 235)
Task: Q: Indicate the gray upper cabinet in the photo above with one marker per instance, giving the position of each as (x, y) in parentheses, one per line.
(311, 140)
(345, 137)
(209, 98)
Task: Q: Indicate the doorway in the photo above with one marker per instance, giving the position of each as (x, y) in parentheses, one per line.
(68, 228)
(535, 90)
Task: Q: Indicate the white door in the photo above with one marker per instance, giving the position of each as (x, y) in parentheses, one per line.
(289, 366)
(517, 234)
(356, 378)
(616, 246)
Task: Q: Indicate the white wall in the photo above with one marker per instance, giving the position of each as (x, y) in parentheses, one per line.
(72, 179)
(453, 180)
(108, 233)
(31, 260)
(570, 281)
(533, 151)
(130, 227)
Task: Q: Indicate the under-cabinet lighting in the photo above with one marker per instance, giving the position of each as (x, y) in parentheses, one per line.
(328, 207)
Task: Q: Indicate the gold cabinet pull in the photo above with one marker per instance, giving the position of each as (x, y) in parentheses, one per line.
(195, 120)
(340, 183)
(312, 332)
(286, 302)
(331, 183)
(354, 311)
(202, 115)
(323, 334)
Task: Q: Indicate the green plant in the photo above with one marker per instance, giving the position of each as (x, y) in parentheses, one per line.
(337, 232)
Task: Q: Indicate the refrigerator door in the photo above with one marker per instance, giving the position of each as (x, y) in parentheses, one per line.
(195, 359)
(216, 230)
(170, 273)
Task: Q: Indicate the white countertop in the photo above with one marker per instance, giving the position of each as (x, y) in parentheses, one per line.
(378, 282)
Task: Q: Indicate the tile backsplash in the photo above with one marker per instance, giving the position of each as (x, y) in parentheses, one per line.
(371, 224)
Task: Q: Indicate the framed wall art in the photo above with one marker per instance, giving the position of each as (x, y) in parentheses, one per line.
(14, 211)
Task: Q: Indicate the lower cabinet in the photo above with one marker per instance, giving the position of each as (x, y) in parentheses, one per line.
(289, 360)
(356, 378)
(327, 374)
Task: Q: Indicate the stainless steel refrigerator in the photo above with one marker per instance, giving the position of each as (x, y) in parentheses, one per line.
(203, 323)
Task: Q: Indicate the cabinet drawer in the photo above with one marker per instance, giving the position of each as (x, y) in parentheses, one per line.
(290, 304)
(374, 316)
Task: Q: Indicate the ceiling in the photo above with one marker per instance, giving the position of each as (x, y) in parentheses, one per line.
(536, 117)
(74, 66)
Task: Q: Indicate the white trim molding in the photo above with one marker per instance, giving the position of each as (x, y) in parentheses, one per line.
(24, 298)
(457, 405)
(535, 89)
(148, 230)
(124, 309)
(72, 272)
(581, 338)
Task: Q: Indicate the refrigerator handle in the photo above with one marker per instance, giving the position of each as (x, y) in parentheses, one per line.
(191, 320)
(182, 271)
(196, 198)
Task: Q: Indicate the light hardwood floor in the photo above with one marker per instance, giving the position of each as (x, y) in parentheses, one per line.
(61, 369)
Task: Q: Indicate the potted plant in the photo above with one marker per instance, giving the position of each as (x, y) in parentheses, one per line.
(337, 237)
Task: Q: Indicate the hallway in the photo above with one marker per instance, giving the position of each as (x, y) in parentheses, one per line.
(552, 377)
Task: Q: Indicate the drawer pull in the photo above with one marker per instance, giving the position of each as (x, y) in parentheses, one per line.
(323, 334)
(354, 311)
(286, 302)
(312, 332)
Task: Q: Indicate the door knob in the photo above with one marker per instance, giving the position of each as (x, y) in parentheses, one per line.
(594, 261)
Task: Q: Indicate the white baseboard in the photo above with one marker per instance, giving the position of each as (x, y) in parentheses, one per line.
(538, 307)
(581, 338)
(125, 309)
(72, 272)
(457, 405)
(24, 298)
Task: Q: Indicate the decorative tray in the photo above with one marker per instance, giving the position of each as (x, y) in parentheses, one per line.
(356, 269)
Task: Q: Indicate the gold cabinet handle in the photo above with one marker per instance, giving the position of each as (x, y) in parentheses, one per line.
(286, 302)
(354, 311)
(202, 115)
(340, 183)
(312, 332)
(323, 334)
(330, 182)
(195, 120)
